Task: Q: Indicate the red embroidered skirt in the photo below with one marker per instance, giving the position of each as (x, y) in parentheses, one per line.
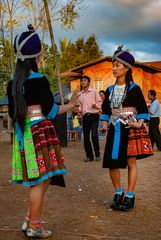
(139, 144)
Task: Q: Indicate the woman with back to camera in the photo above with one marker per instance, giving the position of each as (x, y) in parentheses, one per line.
(124, 110)
(37, 156)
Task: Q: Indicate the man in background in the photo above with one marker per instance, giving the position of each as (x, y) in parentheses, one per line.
(90, 106)
(154, 111)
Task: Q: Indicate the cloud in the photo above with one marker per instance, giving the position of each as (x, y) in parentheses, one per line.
(129, 3)
(152, 11)
(136, 24)
(143, 56)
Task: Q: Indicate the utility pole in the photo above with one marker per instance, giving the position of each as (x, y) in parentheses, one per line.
(11, 39)
(53, 48)
(1, 25)
(0, 8)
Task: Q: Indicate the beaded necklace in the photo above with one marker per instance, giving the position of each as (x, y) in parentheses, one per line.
(117, 102)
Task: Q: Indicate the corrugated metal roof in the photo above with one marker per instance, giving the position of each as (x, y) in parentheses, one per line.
(146, 66)
(156, 64)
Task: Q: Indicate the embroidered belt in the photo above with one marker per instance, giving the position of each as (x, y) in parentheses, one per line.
(34, 112)
(36, 118)
(124, 111)
(123, 114)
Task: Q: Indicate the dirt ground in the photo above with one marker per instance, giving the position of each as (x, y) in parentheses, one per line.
(81, 210)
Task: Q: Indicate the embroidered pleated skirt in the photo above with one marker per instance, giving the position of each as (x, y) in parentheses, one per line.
(123, 143)
(139, 144)
(37, 153)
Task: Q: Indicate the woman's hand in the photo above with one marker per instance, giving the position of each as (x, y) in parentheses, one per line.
(105, 127)
(134, 124)
(94, 106)
(71, 104)
(73, 101)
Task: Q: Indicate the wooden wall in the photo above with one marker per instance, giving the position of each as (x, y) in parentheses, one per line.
(102, 77)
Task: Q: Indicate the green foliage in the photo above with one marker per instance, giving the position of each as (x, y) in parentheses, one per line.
(80, 52)
(3, 81)
(50, 73)
(70, 55)
(48, 67)
(5, 65)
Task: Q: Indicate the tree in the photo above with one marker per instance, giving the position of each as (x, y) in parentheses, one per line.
(67, 14)
(92, 50)
(49, 67)
(70, 55)
(11, 9)
(53, 47)
(80, 52)
(4, 65)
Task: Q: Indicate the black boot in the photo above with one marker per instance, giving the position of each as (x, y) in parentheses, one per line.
(128, 203)
(117, 201)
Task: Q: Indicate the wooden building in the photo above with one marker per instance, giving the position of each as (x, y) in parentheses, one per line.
(146, 74)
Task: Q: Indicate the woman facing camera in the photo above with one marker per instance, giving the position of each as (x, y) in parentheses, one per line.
(124, 111)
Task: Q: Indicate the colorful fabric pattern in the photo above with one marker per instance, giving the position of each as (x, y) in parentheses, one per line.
(139, 144)
(118, 138)
(117, 95)
(41, 157)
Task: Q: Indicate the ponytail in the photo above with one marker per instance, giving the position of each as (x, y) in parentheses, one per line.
(22, 71)
(128, 80)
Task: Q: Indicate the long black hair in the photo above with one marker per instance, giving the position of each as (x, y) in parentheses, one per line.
(22, 71)
(128, 80)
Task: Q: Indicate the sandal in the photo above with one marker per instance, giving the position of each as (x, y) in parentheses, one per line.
(25, 224)
(41, 233)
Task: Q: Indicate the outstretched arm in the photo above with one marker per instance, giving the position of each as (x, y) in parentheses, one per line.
(70, 105)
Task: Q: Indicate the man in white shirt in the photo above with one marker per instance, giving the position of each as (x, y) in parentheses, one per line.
(154, 111)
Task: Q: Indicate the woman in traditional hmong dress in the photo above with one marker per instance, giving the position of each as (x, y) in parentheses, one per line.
(37, 158)
(124, 111)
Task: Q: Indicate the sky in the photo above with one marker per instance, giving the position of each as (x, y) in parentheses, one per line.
(134, 23)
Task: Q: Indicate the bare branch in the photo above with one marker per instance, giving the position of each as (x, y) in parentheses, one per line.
(15, 7)
(12, 5)
(8, 6)
(70, 12)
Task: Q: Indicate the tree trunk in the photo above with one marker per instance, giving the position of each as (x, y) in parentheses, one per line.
(53, 48)
(11, 42)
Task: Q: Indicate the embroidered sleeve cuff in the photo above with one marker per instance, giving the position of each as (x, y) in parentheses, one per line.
(105, 117)
(145, 116)
(54, 111)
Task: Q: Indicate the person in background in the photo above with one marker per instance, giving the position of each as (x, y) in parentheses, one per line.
(154, 111)
(124, 110)
(101, 132)
(37, 159)
(102, 94)
(77, 122)
(90, 105)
